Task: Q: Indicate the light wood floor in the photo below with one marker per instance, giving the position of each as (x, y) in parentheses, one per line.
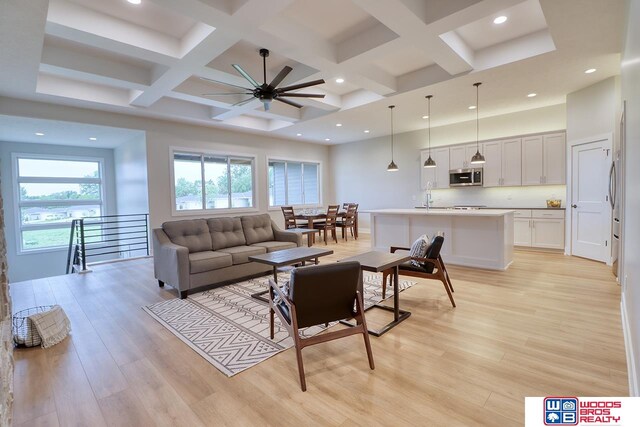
(550, 325)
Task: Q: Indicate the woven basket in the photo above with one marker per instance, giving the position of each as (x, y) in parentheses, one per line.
(25, 333)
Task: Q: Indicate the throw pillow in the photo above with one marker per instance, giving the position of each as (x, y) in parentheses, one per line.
(419, 249)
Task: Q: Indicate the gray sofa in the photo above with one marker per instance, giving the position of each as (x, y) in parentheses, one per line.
(193, 253)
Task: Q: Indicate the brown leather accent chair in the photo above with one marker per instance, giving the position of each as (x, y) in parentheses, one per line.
(318, 295)
(431, 261)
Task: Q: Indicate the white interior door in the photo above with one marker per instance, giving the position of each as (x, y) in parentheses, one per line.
(590, 209)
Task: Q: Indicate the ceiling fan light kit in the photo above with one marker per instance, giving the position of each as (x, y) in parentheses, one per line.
(267, 93)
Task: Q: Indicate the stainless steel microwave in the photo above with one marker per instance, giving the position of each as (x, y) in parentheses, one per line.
(465, 177)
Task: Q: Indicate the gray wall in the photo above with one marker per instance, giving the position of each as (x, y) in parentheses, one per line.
(49, 263)
(359, 172)
(630, 78)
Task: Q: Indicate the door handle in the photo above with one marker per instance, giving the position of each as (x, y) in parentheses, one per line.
(574, 206)
(612, 183)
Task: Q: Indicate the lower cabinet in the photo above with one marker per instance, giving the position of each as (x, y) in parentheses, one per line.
(539, 228)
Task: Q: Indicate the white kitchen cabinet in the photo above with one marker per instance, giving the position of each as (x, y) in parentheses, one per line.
(438, 176)
(543, 159)
(511, 162)
(503, 164)
(460, 156)
(554, 158)
(522, 231)
(539, 228)
(547, 233)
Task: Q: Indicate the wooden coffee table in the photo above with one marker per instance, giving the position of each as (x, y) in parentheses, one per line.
(377, 262)
(286, 257)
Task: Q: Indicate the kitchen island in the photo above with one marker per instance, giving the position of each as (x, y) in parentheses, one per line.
(480, 238)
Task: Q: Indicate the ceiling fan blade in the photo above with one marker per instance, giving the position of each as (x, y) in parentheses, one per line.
(300, 86)
(286, 101)
(302, 95)
(241, 103)
(280, 77)
(246, 75)
(225, 83)
(227, 93)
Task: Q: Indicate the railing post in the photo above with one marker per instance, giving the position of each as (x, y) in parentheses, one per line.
(71, 245)
(146, 231)
(82, 246)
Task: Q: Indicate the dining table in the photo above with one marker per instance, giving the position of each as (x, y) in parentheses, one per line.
(312, 215)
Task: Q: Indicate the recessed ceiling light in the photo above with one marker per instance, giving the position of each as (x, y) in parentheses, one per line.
(39, 134)
(339, 124)
(590, 70)
(327, 139)
(531, 95)
(93, 138)
(298, 134)
(472, 107)
(339, 80)
(366, 131)
(425, 117)
(500, 20)
(135, 1)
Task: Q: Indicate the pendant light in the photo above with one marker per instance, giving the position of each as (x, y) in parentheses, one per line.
(392, 166)
(429, 163)
(477, 158)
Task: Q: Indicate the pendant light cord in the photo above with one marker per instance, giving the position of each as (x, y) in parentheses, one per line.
(391, 107)
(429, 121)
(477, 85)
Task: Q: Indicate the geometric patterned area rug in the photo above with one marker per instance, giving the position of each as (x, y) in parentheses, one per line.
(231, 330)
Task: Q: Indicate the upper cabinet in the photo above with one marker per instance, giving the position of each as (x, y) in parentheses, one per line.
(503, 163)
(438, 176)
(543, 159)
(460, 156)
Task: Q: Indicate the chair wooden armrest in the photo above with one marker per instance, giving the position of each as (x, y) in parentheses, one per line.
(393, 249)
(278, 292)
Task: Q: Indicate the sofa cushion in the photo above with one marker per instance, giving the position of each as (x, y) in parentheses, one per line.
(275, 246)
(226, 232)
(200, 262)
(257, 228)
(191, 233)
(241, 254)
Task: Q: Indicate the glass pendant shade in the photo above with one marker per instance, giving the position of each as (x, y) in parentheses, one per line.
(477, 159)
(429, 163)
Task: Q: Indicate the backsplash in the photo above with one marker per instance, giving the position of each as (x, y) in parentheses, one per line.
(501, 197)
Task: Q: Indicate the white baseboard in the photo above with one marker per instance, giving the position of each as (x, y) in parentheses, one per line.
(634, 387)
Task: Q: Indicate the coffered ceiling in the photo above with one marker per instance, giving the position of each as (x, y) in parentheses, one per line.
(147, 59)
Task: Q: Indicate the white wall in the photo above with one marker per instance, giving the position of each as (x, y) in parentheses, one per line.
(630, 82)
(50, 263)
(594, 110)
(130, 161)
(161, 134)
(359, 169)
(198, 138)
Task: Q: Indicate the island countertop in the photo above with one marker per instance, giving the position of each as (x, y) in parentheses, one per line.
(441, 212)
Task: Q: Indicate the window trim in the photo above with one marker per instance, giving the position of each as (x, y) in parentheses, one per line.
(16, 181)
(194, 212)
(294, 160)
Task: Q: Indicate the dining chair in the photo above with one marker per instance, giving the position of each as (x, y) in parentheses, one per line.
(329, 224)
(348, 221)
(318, 295)
(425, 267)
(289, 217)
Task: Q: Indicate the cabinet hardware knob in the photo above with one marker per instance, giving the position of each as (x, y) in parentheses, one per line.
(574, 206)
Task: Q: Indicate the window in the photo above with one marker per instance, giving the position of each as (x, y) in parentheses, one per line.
(208, 181)
(51, 192)
(293, 183)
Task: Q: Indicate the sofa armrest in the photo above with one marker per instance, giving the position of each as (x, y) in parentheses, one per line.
(285, 236)
(170, 261)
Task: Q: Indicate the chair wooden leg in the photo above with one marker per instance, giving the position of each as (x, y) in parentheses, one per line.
(365, 332)
(335, 235)
(271, 321)
(183, 294)
(303, 382)
(446, 287)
